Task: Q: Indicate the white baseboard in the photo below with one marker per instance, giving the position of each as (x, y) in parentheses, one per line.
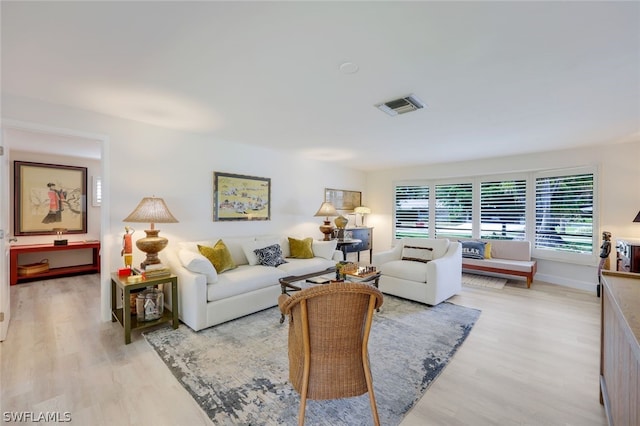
(578, 285)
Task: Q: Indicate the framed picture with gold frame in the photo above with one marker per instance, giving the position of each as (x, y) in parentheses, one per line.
(49, 196)
(240, 197)
(342, 199)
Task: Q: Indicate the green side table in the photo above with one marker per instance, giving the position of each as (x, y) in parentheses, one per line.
(123, 315)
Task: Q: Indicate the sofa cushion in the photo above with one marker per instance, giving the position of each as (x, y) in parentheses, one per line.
(511, 249)
(324, 249)
(512, 265)
(249, 247)
(219, 256)
(473, 249)
(242, 280)
(417, 254)
(305, 266)
(196, 262)
(301, 249)
(270, 255)
(411, 271)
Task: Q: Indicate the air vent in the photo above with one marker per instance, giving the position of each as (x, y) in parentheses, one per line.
(401, 106)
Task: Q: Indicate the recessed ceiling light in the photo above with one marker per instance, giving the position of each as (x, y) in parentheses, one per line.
(349, 68)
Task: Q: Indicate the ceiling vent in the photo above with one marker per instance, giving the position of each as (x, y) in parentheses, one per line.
(402, 105)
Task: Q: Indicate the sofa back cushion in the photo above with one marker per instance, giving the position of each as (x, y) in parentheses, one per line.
(510, 249)
(439, 246)
(234, 245)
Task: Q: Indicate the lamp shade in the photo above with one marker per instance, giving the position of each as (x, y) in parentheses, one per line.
(362, 210)
(326, 209)
(151, 210)
(637, 219)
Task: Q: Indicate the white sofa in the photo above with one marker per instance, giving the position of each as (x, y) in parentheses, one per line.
(206, 298)
(429, 282)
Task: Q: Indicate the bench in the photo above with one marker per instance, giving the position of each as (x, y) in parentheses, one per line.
(507, 257)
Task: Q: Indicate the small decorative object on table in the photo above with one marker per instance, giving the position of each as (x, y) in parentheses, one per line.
(59, 241)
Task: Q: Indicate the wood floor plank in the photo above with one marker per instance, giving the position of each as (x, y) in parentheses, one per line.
(531, 359)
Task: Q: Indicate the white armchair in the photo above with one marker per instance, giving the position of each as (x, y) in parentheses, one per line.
(433, 275)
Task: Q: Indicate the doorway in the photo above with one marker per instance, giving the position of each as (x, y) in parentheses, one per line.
(44, 144)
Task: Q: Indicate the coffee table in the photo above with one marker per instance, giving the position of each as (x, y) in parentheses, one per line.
(299, 282)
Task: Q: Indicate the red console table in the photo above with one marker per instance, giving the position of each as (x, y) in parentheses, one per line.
(16, 251)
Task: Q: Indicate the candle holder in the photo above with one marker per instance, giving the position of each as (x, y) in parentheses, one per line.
(59, 241)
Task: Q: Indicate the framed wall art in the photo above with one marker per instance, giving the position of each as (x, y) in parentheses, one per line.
(342, 199)
(240, 197)
(49, 196)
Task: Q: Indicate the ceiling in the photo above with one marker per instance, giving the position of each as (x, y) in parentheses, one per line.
(498, 78)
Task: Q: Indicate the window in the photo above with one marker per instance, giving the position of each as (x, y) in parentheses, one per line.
(564, 213)
(454, 210)
(97, 191)
(411, 211)
(553, 209)
(503, 209)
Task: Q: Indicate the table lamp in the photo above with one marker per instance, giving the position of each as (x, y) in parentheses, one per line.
(362, 210)
(153, 210)
(326, 210)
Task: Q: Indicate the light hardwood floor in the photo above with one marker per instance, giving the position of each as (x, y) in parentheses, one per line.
(531, 359)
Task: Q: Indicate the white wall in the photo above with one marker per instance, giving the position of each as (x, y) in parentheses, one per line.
(142, 160)
(619, 186)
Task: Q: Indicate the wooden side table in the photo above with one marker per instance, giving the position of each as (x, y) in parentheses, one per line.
(123, 315)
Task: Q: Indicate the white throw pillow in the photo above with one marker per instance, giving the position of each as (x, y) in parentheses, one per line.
(324, 249)
(248, 248)
(417, 254)
(195, 262)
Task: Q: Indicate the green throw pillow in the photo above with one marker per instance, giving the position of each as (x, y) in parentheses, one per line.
(301, 249)
(219, 256)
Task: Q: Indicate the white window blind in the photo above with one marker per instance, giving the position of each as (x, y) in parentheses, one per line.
(454, 210)
(564, 213)
(411, 211)
(97, 192)
(503, 209)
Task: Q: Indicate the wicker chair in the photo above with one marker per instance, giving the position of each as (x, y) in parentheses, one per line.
(328, 334)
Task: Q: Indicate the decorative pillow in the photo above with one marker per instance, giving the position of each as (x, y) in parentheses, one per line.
(473, 249)
(324, 249)
(249, 248)
(417, 254)
(270, 255)
(301, 249)
(219, 256)
(487, 250)
(195, 262)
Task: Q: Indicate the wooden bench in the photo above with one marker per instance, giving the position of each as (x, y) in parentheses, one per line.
(507, 257)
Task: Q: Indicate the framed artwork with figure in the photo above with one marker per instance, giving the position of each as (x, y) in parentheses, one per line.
(48, 197)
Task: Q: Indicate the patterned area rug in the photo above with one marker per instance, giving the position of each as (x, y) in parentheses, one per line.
(238, 371)
(483, 281)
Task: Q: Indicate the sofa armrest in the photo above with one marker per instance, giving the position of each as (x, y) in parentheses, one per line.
(448, 268)
(383, 257)
(192, 293)
(338, 256)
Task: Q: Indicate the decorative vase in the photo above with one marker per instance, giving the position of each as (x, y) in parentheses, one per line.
(341, 222)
